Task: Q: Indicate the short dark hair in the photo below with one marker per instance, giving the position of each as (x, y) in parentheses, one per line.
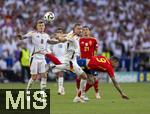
(87, 27)
(59, 29)
(38, 22)
(77, 24)
(114, 58)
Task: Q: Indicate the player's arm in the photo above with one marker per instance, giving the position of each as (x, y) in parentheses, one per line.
(59, 37)
(62, 38)
(96, 48)
(53, 41)
(25, 36)
(117, 86)
(65, 37)
(95, 52)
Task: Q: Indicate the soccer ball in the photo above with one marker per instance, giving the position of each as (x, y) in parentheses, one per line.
(49, 16)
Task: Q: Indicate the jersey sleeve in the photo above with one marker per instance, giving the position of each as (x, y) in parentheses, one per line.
(28, 35)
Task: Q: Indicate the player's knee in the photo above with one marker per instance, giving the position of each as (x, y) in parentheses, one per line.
(43, 75)
(33, 77)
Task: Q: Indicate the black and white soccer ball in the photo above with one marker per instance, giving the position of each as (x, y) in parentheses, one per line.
(49, 16)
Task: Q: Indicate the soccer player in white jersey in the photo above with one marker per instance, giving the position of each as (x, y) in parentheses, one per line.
(59, 50)
(37, 63)
(72, 51)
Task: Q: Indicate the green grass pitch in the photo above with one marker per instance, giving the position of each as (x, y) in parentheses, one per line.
(111, 102)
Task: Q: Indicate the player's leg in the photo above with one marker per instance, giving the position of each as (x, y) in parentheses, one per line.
(53, 58)
(83, 81)
(43, 81)
(33, 72)
(61, 67)
(82, 75)
(31, 81)
(89, 82)
(88, 86)
(95, 85)
(77, 83)
(60, 80)
(81, 63)
(43, 74)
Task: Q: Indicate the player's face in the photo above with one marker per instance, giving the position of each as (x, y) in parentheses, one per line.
(86, 32)
(59, 33)
(40, 27)
(115, 63)
(77, 30)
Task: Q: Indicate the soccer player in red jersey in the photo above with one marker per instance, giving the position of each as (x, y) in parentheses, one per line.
(102, 64)
(88, 48)
(88, 44)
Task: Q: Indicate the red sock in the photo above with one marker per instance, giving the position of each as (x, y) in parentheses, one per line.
(53, 58)
(96, 86)
(78, 82)
(87, 87)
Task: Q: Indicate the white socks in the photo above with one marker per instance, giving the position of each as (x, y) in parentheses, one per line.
(43, 83)
(82, 85)
(30, 83)
(60, 82)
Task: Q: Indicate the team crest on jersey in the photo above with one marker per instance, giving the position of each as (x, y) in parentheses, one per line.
(86, 44)
(90, 42)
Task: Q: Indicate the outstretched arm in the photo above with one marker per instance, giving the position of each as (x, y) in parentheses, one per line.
(117, 86)
(62, 37)
(65, 37)
(59, 37)
(53, 41)
(21, 37)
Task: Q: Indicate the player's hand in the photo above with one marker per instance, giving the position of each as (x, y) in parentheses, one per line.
(59, 36)
(124, 96)
(19, 36)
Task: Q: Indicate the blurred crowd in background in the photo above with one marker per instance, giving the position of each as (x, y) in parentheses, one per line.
(121, 27)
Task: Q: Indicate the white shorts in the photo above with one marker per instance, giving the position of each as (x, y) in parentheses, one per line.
(37, 65)
(76, 68)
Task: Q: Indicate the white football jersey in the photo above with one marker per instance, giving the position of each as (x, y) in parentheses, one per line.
(39, 41)
(59, 50)
(73, 43)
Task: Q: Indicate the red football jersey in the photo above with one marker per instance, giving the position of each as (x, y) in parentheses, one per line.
(101, 63)
(87, 47)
